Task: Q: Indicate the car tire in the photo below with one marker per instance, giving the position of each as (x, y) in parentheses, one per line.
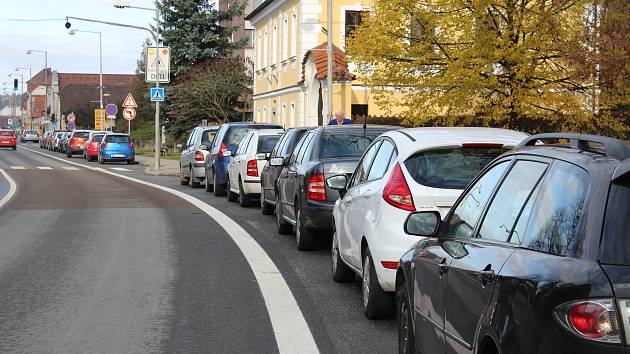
(284, 228)
(15, 148)
(244, 199)
(304, 237)
(183, 180)
(68, 154)
(209, 186)
(231, 196)
(406, 334)
(219, 190)
(265, 209)
(341, 273)
(194, 183)
(376, 302)
(130, 162)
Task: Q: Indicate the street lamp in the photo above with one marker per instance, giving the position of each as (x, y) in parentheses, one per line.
(100, 55)
(30, 51)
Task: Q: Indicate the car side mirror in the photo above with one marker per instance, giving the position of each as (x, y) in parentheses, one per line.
(338, 183)
(423, 223)
(261, 156)
(226, 153)
(203, 147)
(179, 146)
(277, 161)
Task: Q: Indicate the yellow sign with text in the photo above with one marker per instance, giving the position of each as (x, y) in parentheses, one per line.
(99, 116)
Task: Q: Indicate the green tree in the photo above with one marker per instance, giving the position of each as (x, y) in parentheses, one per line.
(193, 29)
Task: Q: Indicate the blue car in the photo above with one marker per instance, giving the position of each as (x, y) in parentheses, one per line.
(116, 147)
(223, 147)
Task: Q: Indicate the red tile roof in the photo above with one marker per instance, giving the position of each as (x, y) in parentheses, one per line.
(320, 56)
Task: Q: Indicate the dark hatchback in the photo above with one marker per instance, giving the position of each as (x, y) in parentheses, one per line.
(270, 173)
(533, 258)
(304, 203)
(223, 147)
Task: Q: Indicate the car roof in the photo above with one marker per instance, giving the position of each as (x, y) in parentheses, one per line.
(210, 127)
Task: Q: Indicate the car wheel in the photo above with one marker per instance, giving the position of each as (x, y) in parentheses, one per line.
(194, 183)
(130, 162)
(69, 154)
(244, 199)
(341, 273)
(231, 196)
(15, 148)
(182, 180)
(265, 209)
(209, 186)
(305, 238)
(406, 335)
(376, 302)
(284, 228)
(219, 190)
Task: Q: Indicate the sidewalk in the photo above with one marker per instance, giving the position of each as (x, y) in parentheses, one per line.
(167, 167)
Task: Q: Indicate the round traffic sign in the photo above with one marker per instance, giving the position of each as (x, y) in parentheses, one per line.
(111, 109)
(129, 113)
(71, 125)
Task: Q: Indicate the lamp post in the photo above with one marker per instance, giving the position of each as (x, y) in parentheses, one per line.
(45, 79)
(100, 60)
(30, 100)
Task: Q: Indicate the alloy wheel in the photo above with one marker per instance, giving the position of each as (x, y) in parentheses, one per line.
(366, 281)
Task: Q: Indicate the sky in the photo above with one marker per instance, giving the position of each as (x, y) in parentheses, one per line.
(72, 54)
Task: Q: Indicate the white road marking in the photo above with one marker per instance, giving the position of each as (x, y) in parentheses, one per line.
(71, 168)
(120, 169)
(44, 168)
(18, 168)
(12, 189)
(289, 326)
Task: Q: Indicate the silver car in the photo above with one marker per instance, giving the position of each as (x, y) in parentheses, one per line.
(30, 136)
(191, 161)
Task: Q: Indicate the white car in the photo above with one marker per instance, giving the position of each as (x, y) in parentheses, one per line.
(191, 161)
(402, 172)
(248, 162)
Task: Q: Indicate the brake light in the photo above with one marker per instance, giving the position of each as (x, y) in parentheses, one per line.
(252, 168)
(199, 156)
(397, 192)
(316, 189)
(105, 145)
(389, 264)
(482, 145)
(591, 319)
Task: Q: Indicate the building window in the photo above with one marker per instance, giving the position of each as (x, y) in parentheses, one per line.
(285, 38)
(259, 53)
(284, 115)
(274, 45)
(353, 20)
(358, 112)
(292, 115)
(265, 48)
(249, 37)
(293, 38)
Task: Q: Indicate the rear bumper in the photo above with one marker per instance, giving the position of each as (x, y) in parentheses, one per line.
(251, 185)
(199, 172)
(118, 156)
(318, 215)
(7, 144)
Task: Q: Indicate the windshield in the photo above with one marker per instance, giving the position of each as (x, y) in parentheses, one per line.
(118, 139)
(615, 243)
(235, 135)
(450, 168)
(349, 144)
(6, 133)
(266, 143)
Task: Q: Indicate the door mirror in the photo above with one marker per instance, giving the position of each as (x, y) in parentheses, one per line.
(203, 147)
(277, 161)
(179, 146)
(338, 182)
(423, 223)
(261, 156)
(226, 153)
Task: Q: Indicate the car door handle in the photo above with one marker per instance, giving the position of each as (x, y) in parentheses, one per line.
(487, 275)
(443, 267)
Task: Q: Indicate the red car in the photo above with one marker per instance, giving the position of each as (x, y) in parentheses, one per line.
(91, 151)
(8, 138)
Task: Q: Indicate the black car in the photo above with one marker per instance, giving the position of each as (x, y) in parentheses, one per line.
(533, 258)
(223, 147)
(304, 203)
(270, 173)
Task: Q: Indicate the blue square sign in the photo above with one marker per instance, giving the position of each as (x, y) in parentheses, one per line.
(157, 94)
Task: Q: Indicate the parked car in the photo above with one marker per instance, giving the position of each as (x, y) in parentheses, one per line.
(63, 142)
(193, 156)
(271, 171)
(77, 142)
(48, 143)
(8, 138)
(534, 257)
(304, 203)
(116, 147)
(55, 140)
(92, 146)
(250, 158)
(401, 172)
(224, 146)
(42, 139)
(29, 136)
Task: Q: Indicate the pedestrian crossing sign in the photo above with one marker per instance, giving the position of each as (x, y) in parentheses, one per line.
(157, 94)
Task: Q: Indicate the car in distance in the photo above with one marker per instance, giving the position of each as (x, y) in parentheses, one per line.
(249, 159)
(55, 141)
(92, 146)
(8, 138)
(30, 136)
(116, 147)
(223, 147)
(401, 172)
(63, 142)
(77, 142)
(193, 156)
(271, 171)
(304, 202)
(534, 257)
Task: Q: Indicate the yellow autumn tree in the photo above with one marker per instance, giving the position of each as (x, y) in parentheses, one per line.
(475, 62)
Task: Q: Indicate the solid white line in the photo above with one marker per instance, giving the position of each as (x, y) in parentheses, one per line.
(289, 326)
(12, 189)
(120, 169)
(44, 168)
(71, 168)
(18, 168)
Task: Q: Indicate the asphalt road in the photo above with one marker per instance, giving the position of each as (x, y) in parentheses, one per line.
(90, 262)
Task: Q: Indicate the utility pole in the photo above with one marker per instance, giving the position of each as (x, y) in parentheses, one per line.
(100, 63)
(329, 52)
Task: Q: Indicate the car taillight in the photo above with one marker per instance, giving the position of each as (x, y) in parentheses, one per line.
(590, 319)
(252, 168)
(316, 189)
(199, 156)
(105, 145)
(397, 192)
(389, 264)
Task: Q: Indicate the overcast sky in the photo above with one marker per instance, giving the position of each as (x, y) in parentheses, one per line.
(66, 53)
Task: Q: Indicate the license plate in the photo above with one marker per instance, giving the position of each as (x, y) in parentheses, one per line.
(117, 155)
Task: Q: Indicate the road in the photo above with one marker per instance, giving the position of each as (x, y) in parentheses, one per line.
(92, 262)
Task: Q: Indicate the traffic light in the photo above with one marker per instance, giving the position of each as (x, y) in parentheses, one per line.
(52, 118)
(15, 84)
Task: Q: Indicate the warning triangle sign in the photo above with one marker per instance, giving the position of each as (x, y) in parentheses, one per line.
(157, 62)
(130, 101)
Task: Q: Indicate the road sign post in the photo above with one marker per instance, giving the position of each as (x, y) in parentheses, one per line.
(158, 63)
(129, 113)
(157, 94)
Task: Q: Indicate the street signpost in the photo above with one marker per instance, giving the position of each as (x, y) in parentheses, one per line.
(70, 118)
(111, 110)
(157, 94)
(130, 101)
(158, 61)
(129, 113)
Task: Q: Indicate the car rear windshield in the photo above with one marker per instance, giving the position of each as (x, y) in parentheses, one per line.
(98, 138)
(616, 240)
(118, 139)
(31, 132)
(6, 133)
(207, 136)
(266, 143)
(235, 134)
(347, 144)
(83, 135)
(451, 168)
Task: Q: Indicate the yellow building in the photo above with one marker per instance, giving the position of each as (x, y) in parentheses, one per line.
(290, 70)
